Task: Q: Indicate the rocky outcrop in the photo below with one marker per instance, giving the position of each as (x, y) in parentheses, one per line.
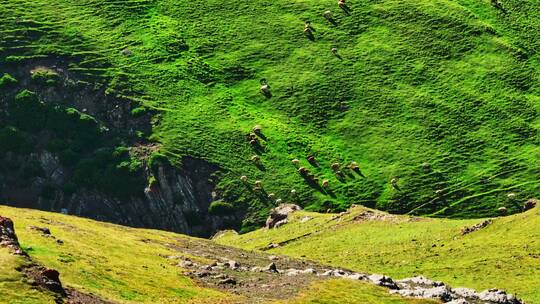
(177, 200)
(278, 216)
(421, 287)
(530, 204)
(44, 278)
(8, 238)
(481, 225)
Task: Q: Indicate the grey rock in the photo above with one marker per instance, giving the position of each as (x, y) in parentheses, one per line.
(271, 268)
(382, 280)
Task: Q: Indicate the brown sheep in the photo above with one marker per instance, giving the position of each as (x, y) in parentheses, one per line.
(326, 183)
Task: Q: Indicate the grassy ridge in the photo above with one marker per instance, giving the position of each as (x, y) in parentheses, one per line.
(127, 265)
(450, 84)
(503, 255)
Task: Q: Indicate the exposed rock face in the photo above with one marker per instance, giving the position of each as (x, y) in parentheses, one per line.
(8, 238)
(178, 201)
(278, 216)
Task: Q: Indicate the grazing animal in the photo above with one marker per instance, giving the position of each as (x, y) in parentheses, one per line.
(344, 7)
(265, 88)
(394, 183)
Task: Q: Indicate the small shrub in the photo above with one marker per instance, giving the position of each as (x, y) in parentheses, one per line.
(138, 112)
(220, 208)
(7, 81)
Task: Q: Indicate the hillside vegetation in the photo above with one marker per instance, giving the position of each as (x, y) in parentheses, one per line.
(441, 94)
(126, 265)
(505, 254)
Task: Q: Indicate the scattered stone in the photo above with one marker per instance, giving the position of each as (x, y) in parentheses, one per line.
(476, 227)
(43, 230)
(202, 274)
(255, 269)
(273, 258)
(46, 278)
(227, 281)
(305, 219)
(498, 296)
(502, 211)
(356, 276)
(465, 293)
(272, 246)
(232, 264)
(441, 292)
(186, 264)
(382, 280)
(419, 281)
(271, 268)
(292, 272)
(220, 276)
(309, 271)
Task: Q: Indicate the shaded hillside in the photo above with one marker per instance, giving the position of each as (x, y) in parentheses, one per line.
(504, 254)
(439, 96)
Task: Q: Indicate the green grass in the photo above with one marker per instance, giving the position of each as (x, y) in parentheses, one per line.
(13, 287)
(107, 260)
(128, 265)
(449, 83)
(504, 255)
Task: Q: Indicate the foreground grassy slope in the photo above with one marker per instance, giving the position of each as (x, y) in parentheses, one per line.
(13, 287)
(506, 254)
(127, 265)
(451, 84)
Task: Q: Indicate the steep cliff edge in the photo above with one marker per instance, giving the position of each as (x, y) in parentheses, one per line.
(70, 147)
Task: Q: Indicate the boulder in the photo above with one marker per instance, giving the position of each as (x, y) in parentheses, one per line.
(227, 281)
(530, 204)
(382, 280)
(498, 296)
(442, 293)
(43, 230)
(280, 213)
(465, 293)
(271, 268)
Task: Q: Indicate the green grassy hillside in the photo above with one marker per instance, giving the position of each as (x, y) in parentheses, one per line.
(505, 254)
(442, 94)
(127, 265)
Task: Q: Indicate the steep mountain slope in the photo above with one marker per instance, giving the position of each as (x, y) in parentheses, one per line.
(127, 265)
(441, 94)
(504, 254)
